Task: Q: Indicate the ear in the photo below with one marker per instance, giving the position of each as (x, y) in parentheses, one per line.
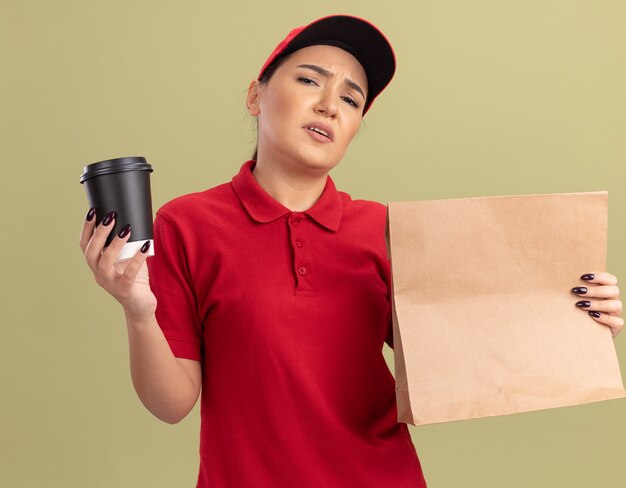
(252, 99)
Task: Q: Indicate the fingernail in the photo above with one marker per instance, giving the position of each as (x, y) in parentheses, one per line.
(588, 277)
(145, 247)
(595, 314)
(109, 218)
(91, 214)
(124, 232)
(583, 304)
(581, 290)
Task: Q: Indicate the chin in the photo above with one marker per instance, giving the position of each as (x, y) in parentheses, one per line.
(320, 162)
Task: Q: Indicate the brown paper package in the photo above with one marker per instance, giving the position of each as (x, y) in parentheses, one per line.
(484, 322)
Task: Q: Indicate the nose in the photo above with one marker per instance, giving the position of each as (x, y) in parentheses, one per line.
(327, 103)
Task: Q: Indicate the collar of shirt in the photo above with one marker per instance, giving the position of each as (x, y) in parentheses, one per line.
(260, 205)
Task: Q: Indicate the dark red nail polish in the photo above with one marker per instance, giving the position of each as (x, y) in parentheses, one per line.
(109, 218)
(581, 290)
(583, 304)
(145, 247)
(588, 277)
(124, 232)
(91, 214)
(595, 314)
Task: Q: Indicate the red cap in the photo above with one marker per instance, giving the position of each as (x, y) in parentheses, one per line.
(357, 36)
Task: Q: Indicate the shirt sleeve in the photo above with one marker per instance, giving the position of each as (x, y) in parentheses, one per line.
(170, 281)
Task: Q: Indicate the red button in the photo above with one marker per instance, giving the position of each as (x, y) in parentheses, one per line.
(298, 243)
(302, 270)
(295, 221)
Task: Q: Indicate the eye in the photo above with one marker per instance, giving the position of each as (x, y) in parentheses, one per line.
(306, 81)
(350, 101)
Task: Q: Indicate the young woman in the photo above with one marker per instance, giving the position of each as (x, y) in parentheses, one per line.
(270, 294)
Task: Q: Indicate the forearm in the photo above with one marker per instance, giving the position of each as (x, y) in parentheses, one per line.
(161, 382)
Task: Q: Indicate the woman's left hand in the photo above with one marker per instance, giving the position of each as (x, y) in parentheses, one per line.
(607, 309)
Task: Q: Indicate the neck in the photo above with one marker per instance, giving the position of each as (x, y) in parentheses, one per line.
(296, 190)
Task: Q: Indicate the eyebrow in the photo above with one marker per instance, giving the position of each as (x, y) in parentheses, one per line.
(325, 72)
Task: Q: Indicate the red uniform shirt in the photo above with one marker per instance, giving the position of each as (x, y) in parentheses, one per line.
(288, 313)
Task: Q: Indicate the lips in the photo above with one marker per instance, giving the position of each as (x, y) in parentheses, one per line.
(320, 128)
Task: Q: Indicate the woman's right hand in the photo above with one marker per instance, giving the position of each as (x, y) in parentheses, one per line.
(127, 281)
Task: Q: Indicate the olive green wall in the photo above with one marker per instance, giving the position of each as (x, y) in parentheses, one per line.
(491, 97)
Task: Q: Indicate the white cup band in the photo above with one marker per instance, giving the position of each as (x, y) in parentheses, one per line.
(130, 249)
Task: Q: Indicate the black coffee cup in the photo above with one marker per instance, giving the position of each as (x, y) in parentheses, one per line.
(122, 185)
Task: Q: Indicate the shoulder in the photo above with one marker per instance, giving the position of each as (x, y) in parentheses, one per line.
(365, 208)
(365, 215)
(193, 205)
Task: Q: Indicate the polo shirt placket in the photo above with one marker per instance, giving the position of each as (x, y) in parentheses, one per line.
(303, 260)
